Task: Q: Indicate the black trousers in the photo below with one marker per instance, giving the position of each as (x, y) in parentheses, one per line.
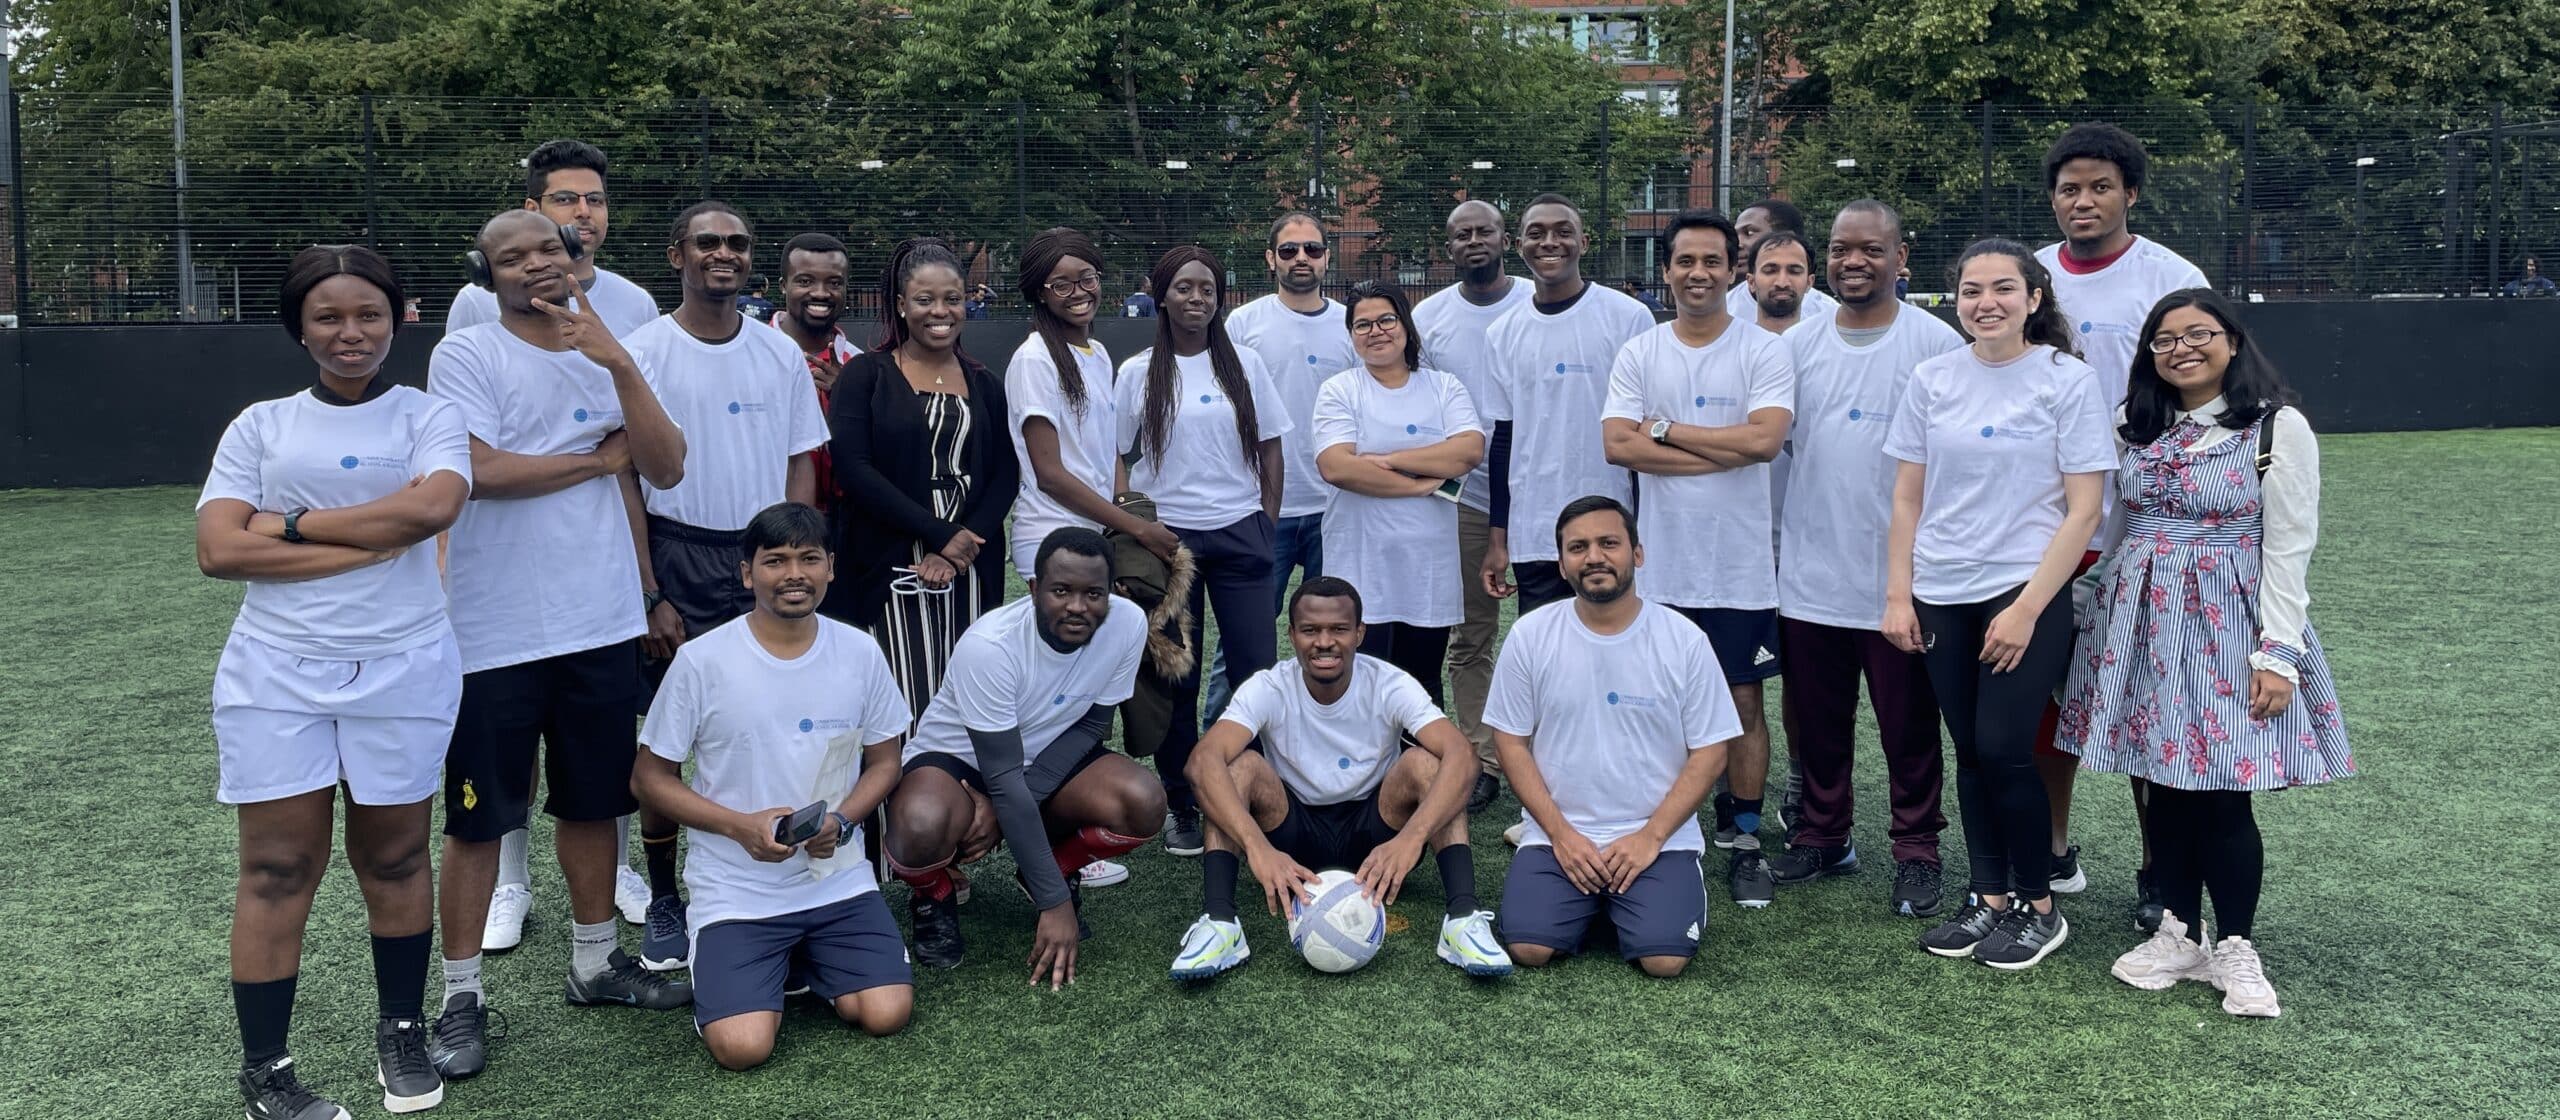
(1541, 582)
(1236, 580)
(2207, 840)
(1420, 650)
(2008, 826)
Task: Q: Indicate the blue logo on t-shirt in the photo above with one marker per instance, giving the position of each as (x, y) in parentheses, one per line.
(349, 462)
(1613, 698)
(808, 725)
(1054, 701)
(2086, 326)
(1701, 402)
(1204, 398)
(579, 416)
(1988, 431)
(1342, 764)
(1311, 359)
(1855, 414)
(1559, 367)
(733, 408)
(1409, 429)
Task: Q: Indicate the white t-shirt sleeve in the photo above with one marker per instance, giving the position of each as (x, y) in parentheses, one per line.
(1129, 392)
(808, 421)
(1270, 413)
(1333, 421)
(1458, 408)
(1707, 715)
(1256, 706)
(472, 306)
(1511, 705)
(885, 714)
(454, 373)
(1124, 670)
(675, 715)
(1496, 376)
(444, 444)
(1031, 388)
(1908, 440)
(1773, 377)
(236, 459)
(1409, 707)
(985, 687)
(2087, 441)
(1626, 385)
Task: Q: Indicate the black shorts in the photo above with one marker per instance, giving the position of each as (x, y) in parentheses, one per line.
(577, 713)
(969, 776)
(1746, 642)
(1337, 835)
(745, 965)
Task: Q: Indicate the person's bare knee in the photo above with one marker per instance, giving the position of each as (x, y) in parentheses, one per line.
(881, 1011)
(1663, 968)
(279, 874)
(928, 819)
(1534, 956)
(742, 1042)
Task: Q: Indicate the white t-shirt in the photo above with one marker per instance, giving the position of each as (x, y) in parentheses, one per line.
(1204, 481)
(2106, 308)
(1996, 441)
(1299, 351)
(1712, 531)
(1402, 553)
(1738, 302)
(1004, 676)
(624, 306)
(1457, 338)
(296, 451)
(1840, 491)
(535, 577)
(1611, 718)
(746, 406)
(1550, 382)
(1331, 753)
(758, 729)
(1086, 438)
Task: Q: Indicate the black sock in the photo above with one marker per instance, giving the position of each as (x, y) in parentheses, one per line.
(1724, 812)
(1218, 885)
(400, 973)
(266, 1013)
(1458, 878)
(659, 856)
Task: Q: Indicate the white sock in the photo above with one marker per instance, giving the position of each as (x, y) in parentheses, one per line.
(590, 948)
(622, 842)
(461, 977)
(511, 859)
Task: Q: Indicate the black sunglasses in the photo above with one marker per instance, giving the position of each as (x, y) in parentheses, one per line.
(1289, 250)
(737, 242)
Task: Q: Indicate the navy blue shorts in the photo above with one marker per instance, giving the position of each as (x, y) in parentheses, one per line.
(1746, 642)
(1660, 915)
(745, 965)
(1338, 835)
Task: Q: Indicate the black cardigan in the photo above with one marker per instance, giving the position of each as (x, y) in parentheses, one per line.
(877, 440)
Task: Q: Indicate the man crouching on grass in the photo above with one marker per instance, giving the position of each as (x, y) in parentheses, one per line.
(771, 707)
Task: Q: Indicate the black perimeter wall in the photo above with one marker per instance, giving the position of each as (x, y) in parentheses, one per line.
(134, 406)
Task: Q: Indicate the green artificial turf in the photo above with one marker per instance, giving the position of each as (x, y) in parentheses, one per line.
(2408, 920)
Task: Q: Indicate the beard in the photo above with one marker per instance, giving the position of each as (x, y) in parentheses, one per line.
(1780, 307)
(1615, 591)
(1481, 275)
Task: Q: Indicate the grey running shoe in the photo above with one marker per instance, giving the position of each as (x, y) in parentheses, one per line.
(1956, 936)
(2022, 937)
(408, 1078)
(1182, 834)
(623, 981)
(1753, 888)
(1805, 863)
(666, 947)
(461, 1046)
(271, 1092)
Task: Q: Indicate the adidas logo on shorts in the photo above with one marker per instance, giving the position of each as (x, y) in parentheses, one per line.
(1763, 657)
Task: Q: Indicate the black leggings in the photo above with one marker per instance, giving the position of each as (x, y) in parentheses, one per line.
(1420, 650)
(2207, 840)
(2008, 826)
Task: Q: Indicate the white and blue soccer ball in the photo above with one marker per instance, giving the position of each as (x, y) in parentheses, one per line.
(1339, 928)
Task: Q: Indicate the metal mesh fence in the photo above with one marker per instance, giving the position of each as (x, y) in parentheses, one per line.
(2278, 201)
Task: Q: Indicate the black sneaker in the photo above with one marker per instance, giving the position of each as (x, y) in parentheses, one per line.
(408, 1077)
(1728, 834)
(1753, 887)
(1917, 888)
(461, 1046)
(1182, 831)
(666, 947)
(935, 926)
(271, 1092)
(2147, 908)
(1805, 863)
(2022, 937)
(1956, 936)
(2066, 877)
(623, 981)
(1487, 789)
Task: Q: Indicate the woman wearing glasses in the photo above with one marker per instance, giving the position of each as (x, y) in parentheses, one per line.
(1390, 435)
(2198, 671)
(2003, 446)
(919, 448)
(1058, 404)
(1202, 425)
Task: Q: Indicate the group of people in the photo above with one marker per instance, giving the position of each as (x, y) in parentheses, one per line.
(2075, 533)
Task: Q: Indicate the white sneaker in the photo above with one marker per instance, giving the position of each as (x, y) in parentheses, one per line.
(2164, 960)
(2243, 980)
(1468, 943)
(507, 907)
(1210, 947)
(1512, 834)
(631, 896)
(1102, 873)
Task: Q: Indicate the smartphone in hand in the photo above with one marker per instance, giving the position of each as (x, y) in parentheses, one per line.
(796, 829)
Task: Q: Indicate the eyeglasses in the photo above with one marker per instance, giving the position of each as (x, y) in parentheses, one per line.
(593, 199)
(1067, 286)
(1289, 250)
(737, 242)
(1373, 326)
(2196, 339)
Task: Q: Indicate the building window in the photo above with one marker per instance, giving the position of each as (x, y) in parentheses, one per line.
(1620, 37)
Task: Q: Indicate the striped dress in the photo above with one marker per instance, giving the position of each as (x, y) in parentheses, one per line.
(2159, 685)
(921, 624)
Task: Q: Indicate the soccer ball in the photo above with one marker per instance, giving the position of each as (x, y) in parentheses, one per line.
(1339, 928)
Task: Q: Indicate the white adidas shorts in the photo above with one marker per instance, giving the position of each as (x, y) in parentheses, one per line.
(288, 725)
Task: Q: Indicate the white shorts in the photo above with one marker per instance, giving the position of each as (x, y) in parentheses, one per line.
(287, 725)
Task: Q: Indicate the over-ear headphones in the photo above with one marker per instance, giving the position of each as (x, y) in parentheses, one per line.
(476, 264)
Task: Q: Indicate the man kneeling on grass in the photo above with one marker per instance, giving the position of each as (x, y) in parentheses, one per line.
(1333, 786)
(781, 709)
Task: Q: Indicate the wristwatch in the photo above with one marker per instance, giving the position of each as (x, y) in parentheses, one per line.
(649, 601)
(293, 524)
(844, 828)
(1661, 431)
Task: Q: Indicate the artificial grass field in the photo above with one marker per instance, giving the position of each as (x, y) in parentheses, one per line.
(2408, 921)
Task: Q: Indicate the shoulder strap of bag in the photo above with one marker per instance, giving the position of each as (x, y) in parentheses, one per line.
(2266, 439)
